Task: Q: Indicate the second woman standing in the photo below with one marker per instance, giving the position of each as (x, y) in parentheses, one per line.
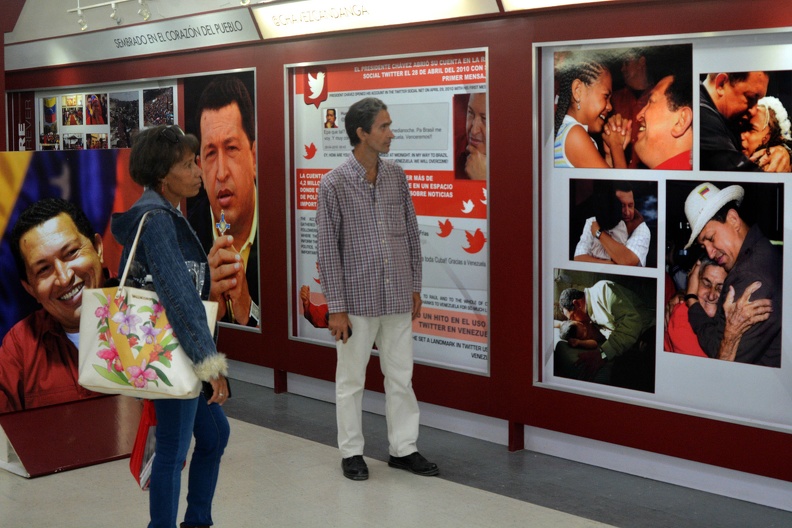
(170, 259)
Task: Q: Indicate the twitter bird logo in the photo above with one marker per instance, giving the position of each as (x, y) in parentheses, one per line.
(310, 151)
(484, 200)
(467, 206)
(445, 228)
(475, 241)
(315, 86)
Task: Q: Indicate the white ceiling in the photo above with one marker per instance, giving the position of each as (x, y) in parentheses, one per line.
(43, 19)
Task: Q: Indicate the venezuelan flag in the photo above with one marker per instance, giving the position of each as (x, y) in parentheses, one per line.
(50, 110)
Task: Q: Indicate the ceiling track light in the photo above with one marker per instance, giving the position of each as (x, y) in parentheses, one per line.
(244, 2)
(114, 15)
(144, 11)
(81, 20)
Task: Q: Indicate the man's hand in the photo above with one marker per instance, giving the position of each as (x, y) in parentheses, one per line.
(476, 164)
(772, 159)
(693, 281)
(417, 303)
(339, 326)
(740, 316)
(228, 279)
(592, 361)
(305, 296)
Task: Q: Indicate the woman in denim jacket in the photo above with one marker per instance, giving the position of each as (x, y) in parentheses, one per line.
(170, 256)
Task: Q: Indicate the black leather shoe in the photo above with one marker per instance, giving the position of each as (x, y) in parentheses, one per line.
(415, 463)
(355, 467)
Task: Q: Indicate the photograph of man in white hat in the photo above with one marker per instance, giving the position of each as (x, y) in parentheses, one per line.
(718, 226)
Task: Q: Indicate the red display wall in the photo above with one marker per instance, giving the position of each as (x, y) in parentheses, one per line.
(509, 393)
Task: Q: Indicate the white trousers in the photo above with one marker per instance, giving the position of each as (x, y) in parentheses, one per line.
(393, 337)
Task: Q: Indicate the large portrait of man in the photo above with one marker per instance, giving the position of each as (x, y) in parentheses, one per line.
(225, 213)
(55, 244)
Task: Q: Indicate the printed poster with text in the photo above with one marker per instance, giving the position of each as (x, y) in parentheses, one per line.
(438, 105)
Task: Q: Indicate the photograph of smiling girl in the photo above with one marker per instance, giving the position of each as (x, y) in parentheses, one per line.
(723, 235)
(599, 95)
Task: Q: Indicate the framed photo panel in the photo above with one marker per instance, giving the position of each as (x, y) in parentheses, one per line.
(660, 281)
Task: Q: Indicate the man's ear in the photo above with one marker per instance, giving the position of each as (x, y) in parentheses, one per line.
(99, 247)
(683, 123)
(28, 288)
(733, 219)
(720, 80)
(580, 304)
(361, 134)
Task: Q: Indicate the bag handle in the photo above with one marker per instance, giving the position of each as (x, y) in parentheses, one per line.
(132, 253)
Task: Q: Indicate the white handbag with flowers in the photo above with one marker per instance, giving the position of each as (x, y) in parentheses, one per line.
(128, 347)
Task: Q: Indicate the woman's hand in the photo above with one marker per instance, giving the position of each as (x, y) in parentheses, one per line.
(620, 128)
(772, 159)
(220, 390)
(616, 136)
(675, 299)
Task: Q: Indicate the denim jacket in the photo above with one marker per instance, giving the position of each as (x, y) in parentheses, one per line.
(169, 251)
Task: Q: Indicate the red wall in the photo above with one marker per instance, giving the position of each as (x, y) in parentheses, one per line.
(509, 392)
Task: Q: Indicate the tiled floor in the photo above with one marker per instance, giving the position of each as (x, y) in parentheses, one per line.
(273, 479)
(282, 470)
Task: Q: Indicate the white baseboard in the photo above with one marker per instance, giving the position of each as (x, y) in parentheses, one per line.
(712, 479)
(250, 373)
(704, 477)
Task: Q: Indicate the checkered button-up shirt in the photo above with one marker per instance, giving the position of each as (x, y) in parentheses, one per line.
(369, 242)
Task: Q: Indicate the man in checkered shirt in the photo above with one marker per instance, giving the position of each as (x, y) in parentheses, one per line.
(370, 271)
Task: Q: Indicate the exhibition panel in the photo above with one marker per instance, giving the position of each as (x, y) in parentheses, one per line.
(493, 285)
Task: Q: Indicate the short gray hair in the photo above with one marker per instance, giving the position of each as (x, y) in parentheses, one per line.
(362, 115)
